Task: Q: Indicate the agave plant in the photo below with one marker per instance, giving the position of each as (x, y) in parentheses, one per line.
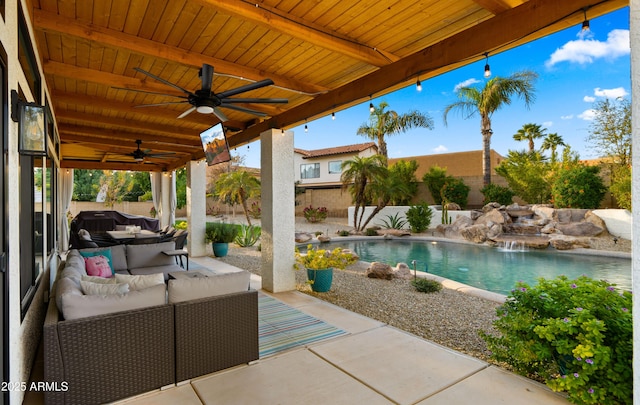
(394, 222)
(248, 235)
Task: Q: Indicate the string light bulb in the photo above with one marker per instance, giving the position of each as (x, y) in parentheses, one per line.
(418, 85)
(333, 116)
(585, 23)
(487, 69)
(306, 128)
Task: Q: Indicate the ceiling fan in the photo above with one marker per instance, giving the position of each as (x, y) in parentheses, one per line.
(205, 101)
(139, 155)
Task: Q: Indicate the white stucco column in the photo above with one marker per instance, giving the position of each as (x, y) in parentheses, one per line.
(165, 184)
(196, 207)
(278, 210)
(634, 32)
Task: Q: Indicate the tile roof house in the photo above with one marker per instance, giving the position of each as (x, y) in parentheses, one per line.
(322, 168)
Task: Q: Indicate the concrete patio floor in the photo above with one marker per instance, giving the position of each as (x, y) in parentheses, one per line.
(373, 364)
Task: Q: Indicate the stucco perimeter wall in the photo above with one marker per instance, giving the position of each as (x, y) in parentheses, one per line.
(387, 212)
(618, 222)
(335, 200)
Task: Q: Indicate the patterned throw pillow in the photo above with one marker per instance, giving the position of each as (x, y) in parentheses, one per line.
(97, 266)
(106, 252)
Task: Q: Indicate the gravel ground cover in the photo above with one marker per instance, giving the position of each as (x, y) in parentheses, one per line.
(448, 317)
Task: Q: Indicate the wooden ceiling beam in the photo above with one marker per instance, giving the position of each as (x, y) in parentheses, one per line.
(145, 127)
(58, 96)
(529, 21)
(116, 143)
(291, 25)
(494, 6)
(96, 165)
(80, 133)
(54, 23)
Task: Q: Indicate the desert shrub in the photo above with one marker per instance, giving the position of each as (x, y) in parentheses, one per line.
(220, 232)
(495, 193)
(394, 222)
(454, 190)
(404, 172)
(248, 235)
(317, 214)
(419, 217)
(578, 187)
(426, 286)
(576, 335)
(371, 232)
(343, 233)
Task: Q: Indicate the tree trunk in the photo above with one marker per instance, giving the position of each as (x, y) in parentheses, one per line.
(486, 150)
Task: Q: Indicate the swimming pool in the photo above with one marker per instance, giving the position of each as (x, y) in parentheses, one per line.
(488, 268)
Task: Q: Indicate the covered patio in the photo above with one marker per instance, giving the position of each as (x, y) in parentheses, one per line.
(116, 77)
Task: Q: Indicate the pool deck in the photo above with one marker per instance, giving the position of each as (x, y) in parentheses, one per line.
(373, 363)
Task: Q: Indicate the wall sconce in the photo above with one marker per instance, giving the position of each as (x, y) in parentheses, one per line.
(32, 124)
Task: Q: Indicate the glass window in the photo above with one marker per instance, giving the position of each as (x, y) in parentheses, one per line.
(335, 166)
(310, 171)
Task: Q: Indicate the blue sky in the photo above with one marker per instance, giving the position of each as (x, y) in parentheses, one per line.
(575, 70)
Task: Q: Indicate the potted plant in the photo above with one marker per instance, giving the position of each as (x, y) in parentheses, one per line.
(320, 263)
(220, 235)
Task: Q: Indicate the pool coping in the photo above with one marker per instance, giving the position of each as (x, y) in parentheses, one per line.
(455, 285)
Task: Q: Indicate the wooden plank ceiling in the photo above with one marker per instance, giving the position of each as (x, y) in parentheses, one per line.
(323, 56)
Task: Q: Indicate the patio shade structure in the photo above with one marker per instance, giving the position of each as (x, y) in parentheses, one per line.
(322, 57)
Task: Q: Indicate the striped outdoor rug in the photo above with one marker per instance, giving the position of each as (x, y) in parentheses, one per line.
(283, 327)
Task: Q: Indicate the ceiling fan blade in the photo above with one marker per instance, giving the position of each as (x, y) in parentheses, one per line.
(155, 93)
(255, 100)
(246, 87)
(218, 113)
(189, 111)
(206, 75)
(160, 155)
(243, 109)
(175, 86)
(160, 104)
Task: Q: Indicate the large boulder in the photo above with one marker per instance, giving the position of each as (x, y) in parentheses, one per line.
(543, 211)
(579, 229)
(302, 237)
(494, 231)
(564, 242)
(380, 270)
(493, 217)
(596, 220)
(491, 206)
(564, 215)
(475, 233)
(462, 221)
(402, 271)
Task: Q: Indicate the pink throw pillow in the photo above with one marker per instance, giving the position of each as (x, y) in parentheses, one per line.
(97, 266)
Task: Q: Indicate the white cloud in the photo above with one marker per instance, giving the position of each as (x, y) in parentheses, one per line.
(585, 51)
(566, 117)
(440, 149)
(589, 99)
(588, 115)
(610, 93)
(547, 124)
(466, 83)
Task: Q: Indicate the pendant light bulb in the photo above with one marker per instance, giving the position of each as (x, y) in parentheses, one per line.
(333, 116)
(371, 108)
(418, 85)
(585, 23)
(306, 128)
(487, 69)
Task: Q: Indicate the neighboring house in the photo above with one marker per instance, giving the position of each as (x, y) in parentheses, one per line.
(323, 167)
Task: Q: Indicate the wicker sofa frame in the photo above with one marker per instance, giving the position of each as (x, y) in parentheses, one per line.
(114, 356)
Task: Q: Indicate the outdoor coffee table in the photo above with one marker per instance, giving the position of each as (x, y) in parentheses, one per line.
(176, 275)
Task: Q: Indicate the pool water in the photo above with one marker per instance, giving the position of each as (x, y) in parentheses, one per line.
(489, 268)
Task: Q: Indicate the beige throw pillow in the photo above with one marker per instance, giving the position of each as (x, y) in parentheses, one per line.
(140, 282)
(89, 288)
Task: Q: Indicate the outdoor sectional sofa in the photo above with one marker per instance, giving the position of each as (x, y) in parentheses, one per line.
(101, 348)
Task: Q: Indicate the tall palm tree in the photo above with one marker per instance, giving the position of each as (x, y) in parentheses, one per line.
(496, 93)
(238, 186)
(529, 132)
(551, 142)
(357, 174)
(383, 123)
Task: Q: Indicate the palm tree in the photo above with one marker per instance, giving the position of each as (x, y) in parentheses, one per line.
(551, 142)
(383, 123)
(357, 174)
(238, 186)
(496, 93)
(529, 132)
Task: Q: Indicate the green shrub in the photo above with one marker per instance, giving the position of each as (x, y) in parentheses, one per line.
(394, 222)
(219, 232)
(454, 190)
(343, 233)
(435, 179)
(574, 334)
(404, 172)
(371, 232)
(578, 187)
(621, 187)
(426, 286)
(248, 235)
(495, 193)
(181, 224)
(419, 217)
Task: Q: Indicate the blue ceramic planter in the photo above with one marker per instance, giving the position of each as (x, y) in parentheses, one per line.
(321, 279)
